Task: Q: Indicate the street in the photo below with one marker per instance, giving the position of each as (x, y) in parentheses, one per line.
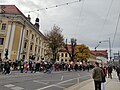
(42, 81)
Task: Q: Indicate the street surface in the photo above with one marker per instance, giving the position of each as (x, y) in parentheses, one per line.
(42, 81)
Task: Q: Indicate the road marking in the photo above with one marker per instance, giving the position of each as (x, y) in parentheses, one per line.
(9, 85)
(78, 74)
(51, 80)
(61, 83)
(60, 87)
(40, 82)
(45, 87)
(78, 81)
(67, 84)
(17, 88)
(61, 78)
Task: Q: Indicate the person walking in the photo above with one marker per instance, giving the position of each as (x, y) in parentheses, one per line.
(97, 75)
(109, 69)
(118, 72)
(103, 77)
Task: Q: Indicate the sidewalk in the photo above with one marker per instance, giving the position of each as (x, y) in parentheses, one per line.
(110, 84)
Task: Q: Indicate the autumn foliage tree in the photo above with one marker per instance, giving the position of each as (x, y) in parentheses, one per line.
(55, 41)
(83, 52)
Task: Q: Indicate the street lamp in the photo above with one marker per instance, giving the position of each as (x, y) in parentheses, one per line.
(72, 52)
(109, 47)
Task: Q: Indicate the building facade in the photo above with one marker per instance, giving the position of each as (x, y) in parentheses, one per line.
(95, 55)
(19, 36)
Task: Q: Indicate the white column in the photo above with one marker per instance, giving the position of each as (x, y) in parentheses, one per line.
(19, 43)
(7, 38)
(11, 41)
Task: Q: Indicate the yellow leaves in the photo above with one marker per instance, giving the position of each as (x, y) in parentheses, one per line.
(83, 52)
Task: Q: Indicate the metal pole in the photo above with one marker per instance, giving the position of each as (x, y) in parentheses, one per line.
(119, 56)
(110, 49)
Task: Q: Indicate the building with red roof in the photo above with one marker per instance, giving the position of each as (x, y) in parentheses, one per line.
(19, 36)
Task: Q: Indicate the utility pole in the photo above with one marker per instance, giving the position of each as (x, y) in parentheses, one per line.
(110, 50)
(73, 44)
(119, 56)
(110, 57)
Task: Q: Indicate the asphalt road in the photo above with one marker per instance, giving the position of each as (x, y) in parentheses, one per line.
(42, 81)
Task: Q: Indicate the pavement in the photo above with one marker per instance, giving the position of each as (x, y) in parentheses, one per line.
(110, 84)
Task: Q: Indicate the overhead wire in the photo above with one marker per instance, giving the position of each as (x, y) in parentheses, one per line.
(54, 6)
(107, 15)
(116, 30)
(79, 17)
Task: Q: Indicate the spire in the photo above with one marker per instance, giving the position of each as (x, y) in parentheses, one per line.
(29, 18)
(37, 23)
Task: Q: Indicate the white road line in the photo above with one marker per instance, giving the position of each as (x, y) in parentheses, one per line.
(60, 87)
(78, 81)
(60, 83)
(61, 78)
(45, 87)
(67, 84)
(17, 88)
(40, 82)
(78, 74)
(9, 85)
(50, 80)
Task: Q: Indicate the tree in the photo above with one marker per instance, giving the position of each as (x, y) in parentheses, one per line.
(83, 52)
(55, 40)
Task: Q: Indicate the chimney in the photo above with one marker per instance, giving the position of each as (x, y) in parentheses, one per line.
(28, 17)
(37, 23)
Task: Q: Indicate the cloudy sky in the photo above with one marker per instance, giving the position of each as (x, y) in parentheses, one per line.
(89, 21)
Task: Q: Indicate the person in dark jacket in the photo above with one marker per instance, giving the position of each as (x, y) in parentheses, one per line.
(109, 69)
(103, 77)
(7, 67)
(118, 71)
(97, 75)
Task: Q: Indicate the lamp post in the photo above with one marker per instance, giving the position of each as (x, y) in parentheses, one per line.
(109, 47)
(72, 52)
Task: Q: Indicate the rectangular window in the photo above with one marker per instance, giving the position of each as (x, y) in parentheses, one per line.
(0, 55)
(1, 41)
(23, 57)
(3, 26)
(31, 47)
(36, 40)
(66, 55)
(35, 49)
(39, 50)
(32, 36)
(62, 55)
(65, 60)
(25, 45)
(27, 33)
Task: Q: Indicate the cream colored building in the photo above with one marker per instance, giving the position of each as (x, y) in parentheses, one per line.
(64, 56)
(17, 34)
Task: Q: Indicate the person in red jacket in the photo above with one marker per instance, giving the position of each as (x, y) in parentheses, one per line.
(26, 67)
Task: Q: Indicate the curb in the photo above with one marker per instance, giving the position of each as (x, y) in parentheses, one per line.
(79, 85)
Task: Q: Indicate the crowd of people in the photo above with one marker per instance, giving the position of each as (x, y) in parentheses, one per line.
(43, 66)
